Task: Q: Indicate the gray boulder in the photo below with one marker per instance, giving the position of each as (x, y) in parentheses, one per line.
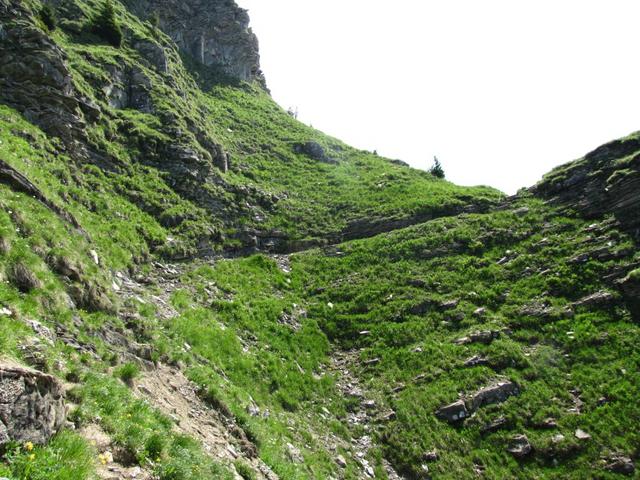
(453, 412)
(495, 393)
(313, 150)
(598, 298)
(32, 407)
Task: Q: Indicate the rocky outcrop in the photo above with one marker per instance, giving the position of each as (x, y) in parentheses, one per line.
(606, 180)
(16, 180)
(32, 407)
(216, 33)
(454, 412)
(34, 77)
(314, 151)
(497, 392)
(129, 87)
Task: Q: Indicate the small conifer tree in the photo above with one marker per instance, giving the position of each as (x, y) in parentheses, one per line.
(436, 169)
(106, 25)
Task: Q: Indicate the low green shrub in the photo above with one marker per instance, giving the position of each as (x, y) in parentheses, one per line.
(106, 25)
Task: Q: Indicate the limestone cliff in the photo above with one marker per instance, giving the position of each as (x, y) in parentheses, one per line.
(214, 32)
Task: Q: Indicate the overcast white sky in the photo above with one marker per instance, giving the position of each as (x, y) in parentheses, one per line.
(500, 90)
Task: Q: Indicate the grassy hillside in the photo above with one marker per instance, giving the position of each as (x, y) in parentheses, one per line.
(163, 131)
(128, 233)
(524, 276)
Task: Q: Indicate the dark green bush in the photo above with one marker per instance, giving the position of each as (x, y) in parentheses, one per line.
(106, 26)
(48, 17)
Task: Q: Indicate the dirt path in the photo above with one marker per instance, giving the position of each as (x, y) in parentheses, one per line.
(168, 390)
(171, 392)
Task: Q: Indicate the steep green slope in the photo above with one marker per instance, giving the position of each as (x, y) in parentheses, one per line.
(457, 305)
(329, 363)
(220, 166)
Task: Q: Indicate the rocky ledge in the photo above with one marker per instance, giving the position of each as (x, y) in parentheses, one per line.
(32, 407)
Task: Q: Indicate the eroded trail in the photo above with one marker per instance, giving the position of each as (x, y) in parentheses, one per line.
(169, 390)
(367, 411)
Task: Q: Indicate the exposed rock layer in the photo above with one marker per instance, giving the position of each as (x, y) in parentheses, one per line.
(214, 32)
(32, 405)
(606, 180)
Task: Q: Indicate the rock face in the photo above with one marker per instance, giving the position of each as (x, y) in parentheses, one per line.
(599, 184)
(35, 78)
(32, 405)
(497, 392)
(214, 32)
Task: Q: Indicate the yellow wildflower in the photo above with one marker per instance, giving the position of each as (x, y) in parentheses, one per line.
(105, 458)
(28, 446)
(32, 457)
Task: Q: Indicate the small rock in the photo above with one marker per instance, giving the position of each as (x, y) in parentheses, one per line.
(369, 404)
(548, 423)
(495, 393)
(398, 388)
(519, 446)
(388, 416)
(453, 412)
(620, 464)
(294, 453)
(340, 460)
(521, 212)
(449, 304)
(557, 438)
(494, 425)
(94, 257)
(253, 410)
(582, 435)
(475, 361)
(431, 456)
